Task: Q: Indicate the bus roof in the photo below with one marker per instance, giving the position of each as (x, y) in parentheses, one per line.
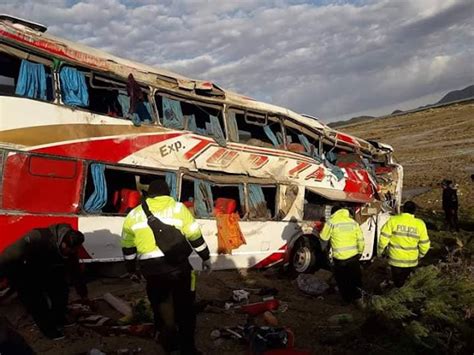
(31, 35)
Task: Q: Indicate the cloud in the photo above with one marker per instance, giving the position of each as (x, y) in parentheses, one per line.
(326, 58)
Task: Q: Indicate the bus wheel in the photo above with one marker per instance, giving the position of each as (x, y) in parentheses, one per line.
(303, 256)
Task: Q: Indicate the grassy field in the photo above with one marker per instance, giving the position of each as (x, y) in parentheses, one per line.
(431, 145)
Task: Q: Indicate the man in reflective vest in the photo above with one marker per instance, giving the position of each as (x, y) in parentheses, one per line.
(170, 288)
(406, 239)
(347, 244)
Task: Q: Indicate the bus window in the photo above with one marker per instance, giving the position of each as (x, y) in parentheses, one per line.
(262, 201)
(124, 188)
(25, 78)
(300, 140)
(316, 207)
(201, 197)
(110, 97)
(200, 119)
(255, 129)
(288, 195)
(231, 193)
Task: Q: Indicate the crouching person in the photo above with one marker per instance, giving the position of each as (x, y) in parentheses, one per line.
(160, 233)
(347, 243)
(38, 266)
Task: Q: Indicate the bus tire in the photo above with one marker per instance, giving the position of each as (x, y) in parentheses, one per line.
(304, 256)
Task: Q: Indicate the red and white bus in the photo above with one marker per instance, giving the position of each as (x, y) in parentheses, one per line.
(82, 132)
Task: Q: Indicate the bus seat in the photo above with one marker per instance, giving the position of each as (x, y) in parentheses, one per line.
(129, 199)
(225, 205)
(189, 204)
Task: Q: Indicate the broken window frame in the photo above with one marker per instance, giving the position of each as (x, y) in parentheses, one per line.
(88, 183)
(37, 59)
(275, 213)
(301, 129)
(266, 116)
(199, 106)
(192, 177)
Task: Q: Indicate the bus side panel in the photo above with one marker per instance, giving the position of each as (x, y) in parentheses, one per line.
(41, 184)
(13, 227)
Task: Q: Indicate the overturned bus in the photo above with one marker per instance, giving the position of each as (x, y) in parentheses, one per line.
(82, 132)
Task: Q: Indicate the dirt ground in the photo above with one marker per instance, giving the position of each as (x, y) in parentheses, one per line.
(306, 316)
(431, 145)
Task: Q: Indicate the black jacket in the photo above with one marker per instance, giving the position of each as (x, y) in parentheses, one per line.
(450, 199)
(38, 252)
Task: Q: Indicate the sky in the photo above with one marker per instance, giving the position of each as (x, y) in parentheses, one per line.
(332, 59)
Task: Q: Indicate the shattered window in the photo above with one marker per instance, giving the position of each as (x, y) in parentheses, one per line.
(110, 97)
(255, 129)
(200, 119)
(25, 78)
(262, 201)
(300, 140)
(116, 190)
(204, 198)
(316, 207)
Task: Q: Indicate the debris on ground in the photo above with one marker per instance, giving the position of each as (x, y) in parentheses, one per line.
(311, 284)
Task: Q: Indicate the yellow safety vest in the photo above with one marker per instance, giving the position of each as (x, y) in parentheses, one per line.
(406, 238)
(344, 234)
(137, 234)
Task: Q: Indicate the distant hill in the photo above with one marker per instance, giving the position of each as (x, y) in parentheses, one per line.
(457, 95)
(352, 120)
(452, 96)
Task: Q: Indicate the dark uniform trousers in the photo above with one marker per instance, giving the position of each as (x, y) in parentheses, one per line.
(400, 274)
(172, 301)
(349, 278)
(44, 294)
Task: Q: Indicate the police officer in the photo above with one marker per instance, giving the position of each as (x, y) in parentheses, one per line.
(347, 243)
(407, 241)
(170, 287)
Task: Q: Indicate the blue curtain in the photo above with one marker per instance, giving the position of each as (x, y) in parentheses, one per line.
(242, 196)
(172, 113)
(142, 111)
(217, 131)
(256, 197)
(271, 135)
(203, 201)
(232, 127)
(98, 199)
(31, 81)
(337, 171)
(73, 87)
(331, 156)
(171, 181)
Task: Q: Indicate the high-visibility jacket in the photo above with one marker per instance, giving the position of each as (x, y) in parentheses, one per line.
(406, 238)
(344, 234)
(138, 239)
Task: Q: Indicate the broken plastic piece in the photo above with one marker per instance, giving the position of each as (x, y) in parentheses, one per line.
(240, 295)
(119, 304)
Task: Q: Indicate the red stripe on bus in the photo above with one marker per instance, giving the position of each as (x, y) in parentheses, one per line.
(109, 150)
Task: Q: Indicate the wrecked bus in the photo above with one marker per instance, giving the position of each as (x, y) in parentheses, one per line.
(82, 132)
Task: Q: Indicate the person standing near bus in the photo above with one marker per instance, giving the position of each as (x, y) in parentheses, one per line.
(170, 287)
(347, 244)
(37, 267)
(450, 205)
(407, 241)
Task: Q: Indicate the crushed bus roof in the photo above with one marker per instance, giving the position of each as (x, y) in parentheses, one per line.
(32, 36)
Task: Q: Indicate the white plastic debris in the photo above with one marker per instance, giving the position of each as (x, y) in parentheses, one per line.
(240, 295)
